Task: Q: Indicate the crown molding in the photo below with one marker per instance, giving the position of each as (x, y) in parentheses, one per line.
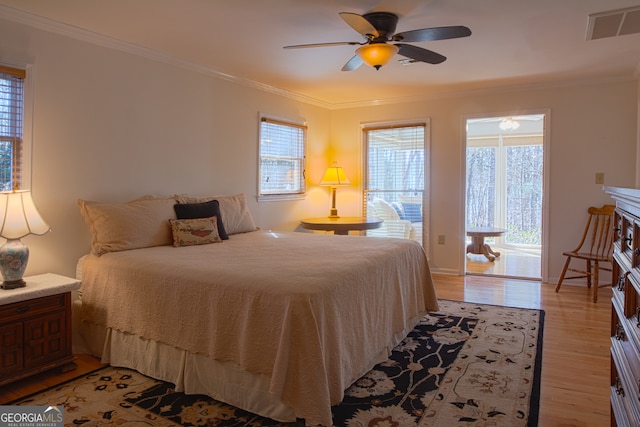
(52, 26)
(493, 89)
(49, 25)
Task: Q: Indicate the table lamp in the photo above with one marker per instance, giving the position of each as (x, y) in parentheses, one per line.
(18, 218)
(333, 177)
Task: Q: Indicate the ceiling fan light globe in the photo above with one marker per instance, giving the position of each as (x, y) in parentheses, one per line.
(377, 54)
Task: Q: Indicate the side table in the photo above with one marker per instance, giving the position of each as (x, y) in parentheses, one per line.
(341, 225)
(35, 327)
(478, 246)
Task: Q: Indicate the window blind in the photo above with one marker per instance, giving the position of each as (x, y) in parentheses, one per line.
(11, 125)
(396, 159)
(395, 179)
(282, 148)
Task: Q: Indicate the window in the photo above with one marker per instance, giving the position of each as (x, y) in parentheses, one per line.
(281, 159)
(11, 126)
(504, 178)
(395, 179)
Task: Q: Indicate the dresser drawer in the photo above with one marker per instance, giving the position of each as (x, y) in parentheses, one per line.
(619, 278)
(626, 291)
(627, 239)
(20, 310)
(625, 330)
(632, 306)
(624, 381)
(621, 408)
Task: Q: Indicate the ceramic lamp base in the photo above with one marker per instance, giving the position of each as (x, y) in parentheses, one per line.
(13, 284)
(14, 256)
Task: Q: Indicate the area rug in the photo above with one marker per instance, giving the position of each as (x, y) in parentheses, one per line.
(466, 365)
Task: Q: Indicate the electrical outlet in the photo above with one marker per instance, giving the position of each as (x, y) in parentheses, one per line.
(599, 177)
(441, 239)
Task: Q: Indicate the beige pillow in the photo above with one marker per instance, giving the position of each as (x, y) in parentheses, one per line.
(197, 231)
(234, 211)
(136, 224)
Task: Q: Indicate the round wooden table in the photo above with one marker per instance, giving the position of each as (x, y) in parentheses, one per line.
(341, 225)
(478, 246)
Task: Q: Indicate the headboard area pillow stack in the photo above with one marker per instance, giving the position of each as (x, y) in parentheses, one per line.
(140, 223)
(145, 222)
(202, 210)
(234, 210)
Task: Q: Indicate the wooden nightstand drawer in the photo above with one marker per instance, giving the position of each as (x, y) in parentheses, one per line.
(35, 327)
(45, 339)
(11, 348)
(20, 310)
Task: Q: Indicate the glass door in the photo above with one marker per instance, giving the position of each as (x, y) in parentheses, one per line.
(504, 195)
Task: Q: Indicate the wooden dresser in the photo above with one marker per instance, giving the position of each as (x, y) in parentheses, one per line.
(625, 313)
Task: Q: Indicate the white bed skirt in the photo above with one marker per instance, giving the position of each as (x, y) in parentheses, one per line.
(191, 373)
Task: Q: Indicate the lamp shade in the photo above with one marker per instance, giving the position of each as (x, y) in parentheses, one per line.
(334, 176)
(19, 216)
(377, 54)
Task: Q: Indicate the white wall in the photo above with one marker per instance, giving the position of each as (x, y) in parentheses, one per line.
(593, 129)
(111, 126)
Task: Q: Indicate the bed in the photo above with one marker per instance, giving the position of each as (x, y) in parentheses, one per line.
(276, 323)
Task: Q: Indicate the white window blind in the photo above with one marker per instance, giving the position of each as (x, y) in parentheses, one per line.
(396, 159)
(282, 156)
(395, 179)
(11, 125)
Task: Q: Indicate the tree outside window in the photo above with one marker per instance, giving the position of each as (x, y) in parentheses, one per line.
(281, 159)
(11, 126)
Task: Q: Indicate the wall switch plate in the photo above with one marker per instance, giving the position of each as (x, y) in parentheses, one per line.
(441, 239)
(599, 177)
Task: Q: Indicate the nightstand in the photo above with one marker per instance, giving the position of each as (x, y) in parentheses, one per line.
(35, 327)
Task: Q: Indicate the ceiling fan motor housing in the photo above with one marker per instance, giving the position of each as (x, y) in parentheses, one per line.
(382, 42)
(384, 22)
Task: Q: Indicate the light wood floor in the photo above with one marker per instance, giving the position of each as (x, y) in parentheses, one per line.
(512, 262)
(575, 364)
(575, 359)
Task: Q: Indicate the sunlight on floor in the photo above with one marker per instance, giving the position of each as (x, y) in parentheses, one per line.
(514, 293)
(517, 263)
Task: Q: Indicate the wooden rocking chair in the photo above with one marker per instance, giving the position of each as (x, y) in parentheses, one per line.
(595, 247)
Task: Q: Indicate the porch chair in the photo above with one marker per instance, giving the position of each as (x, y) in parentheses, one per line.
(595, 247)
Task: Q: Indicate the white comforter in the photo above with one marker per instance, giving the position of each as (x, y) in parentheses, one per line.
(309, 311)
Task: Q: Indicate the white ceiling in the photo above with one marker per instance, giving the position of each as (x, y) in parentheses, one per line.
(513, 42)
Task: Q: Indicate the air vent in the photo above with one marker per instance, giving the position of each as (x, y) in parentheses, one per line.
(614, 23)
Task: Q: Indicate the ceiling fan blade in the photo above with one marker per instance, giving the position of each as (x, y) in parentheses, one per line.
(300, 46)
(352, 64)
(431, 34)
(419, 54)
(359, 23)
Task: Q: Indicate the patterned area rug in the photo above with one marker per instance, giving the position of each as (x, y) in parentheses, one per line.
(467, 365)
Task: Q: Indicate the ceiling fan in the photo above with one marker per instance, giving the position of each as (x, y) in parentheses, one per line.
(382, 43)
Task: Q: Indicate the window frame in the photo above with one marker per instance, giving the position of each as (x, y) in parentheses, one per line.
(501, 142)
(20, 140)
(425, 123)
(300, 191)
